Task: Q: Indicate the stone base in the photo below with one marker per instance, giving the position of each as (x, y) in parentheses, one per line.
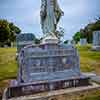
(64, 94)
(34, 88)
(96, 48)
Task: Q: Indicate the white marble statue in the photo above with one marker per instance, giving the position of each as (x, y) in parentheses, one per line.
(50, 15)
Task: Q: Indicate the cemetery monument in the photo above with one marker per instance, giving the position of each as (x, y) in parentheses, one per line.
(49, 65)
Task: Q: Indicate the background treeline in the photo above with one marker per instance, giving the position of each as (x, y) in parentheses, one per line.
(87, 32)
(9, 30)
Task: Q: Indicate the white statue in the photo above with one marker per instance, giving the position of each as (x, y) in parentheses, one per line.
(50, 15)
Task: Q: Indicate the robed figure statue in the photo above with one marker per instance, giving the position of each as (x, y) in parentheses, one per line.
(50, 15)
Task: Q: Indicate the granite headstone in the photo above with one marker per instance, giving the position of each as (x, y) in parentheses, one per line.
(83, 41)
(96, 41)
(49, 62)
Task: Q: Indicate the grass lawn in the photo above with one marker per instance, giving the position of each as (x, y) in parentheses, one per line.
(90, 61)
(8, 66)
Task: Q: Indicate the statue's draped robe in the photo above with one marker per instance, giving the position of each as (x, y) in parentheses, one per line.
(50, 15)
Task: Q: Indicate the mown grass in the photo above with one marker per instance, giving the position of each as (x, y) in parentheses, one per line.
(93, 95)
(8, 66)
(89, 60)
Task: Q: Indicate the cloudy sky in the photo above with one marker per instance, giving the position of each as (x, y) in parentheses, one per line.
(25, 14)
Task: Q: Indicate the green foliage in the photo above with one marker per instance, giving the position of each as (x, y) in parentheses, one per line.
(13, 31)
(4, 31)
(8, 32)
(89, 59)
(76, 37)
(90, 28)
(14, 28)
(96, 25)
(87, 32)
(92, 95)
(8, 66)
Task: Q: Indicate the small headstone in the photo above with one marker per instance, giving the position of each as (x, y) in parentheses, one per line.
(6, 46)
(83, 42)
(96, 41)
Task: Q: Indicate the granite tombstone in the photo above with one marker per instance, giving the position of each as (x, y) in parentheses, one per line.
(83, 41)
(96, 41)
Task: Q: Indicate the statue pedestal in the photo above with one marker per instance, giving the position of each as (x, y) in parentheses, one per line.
(50, 38)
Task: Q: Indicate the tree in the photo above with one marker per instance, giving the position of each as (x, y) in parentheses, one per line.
(88, 30)
(77, 37)
(13, 31)
(8, 32)
(96, 25)
(4, 31)
(14, 28)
